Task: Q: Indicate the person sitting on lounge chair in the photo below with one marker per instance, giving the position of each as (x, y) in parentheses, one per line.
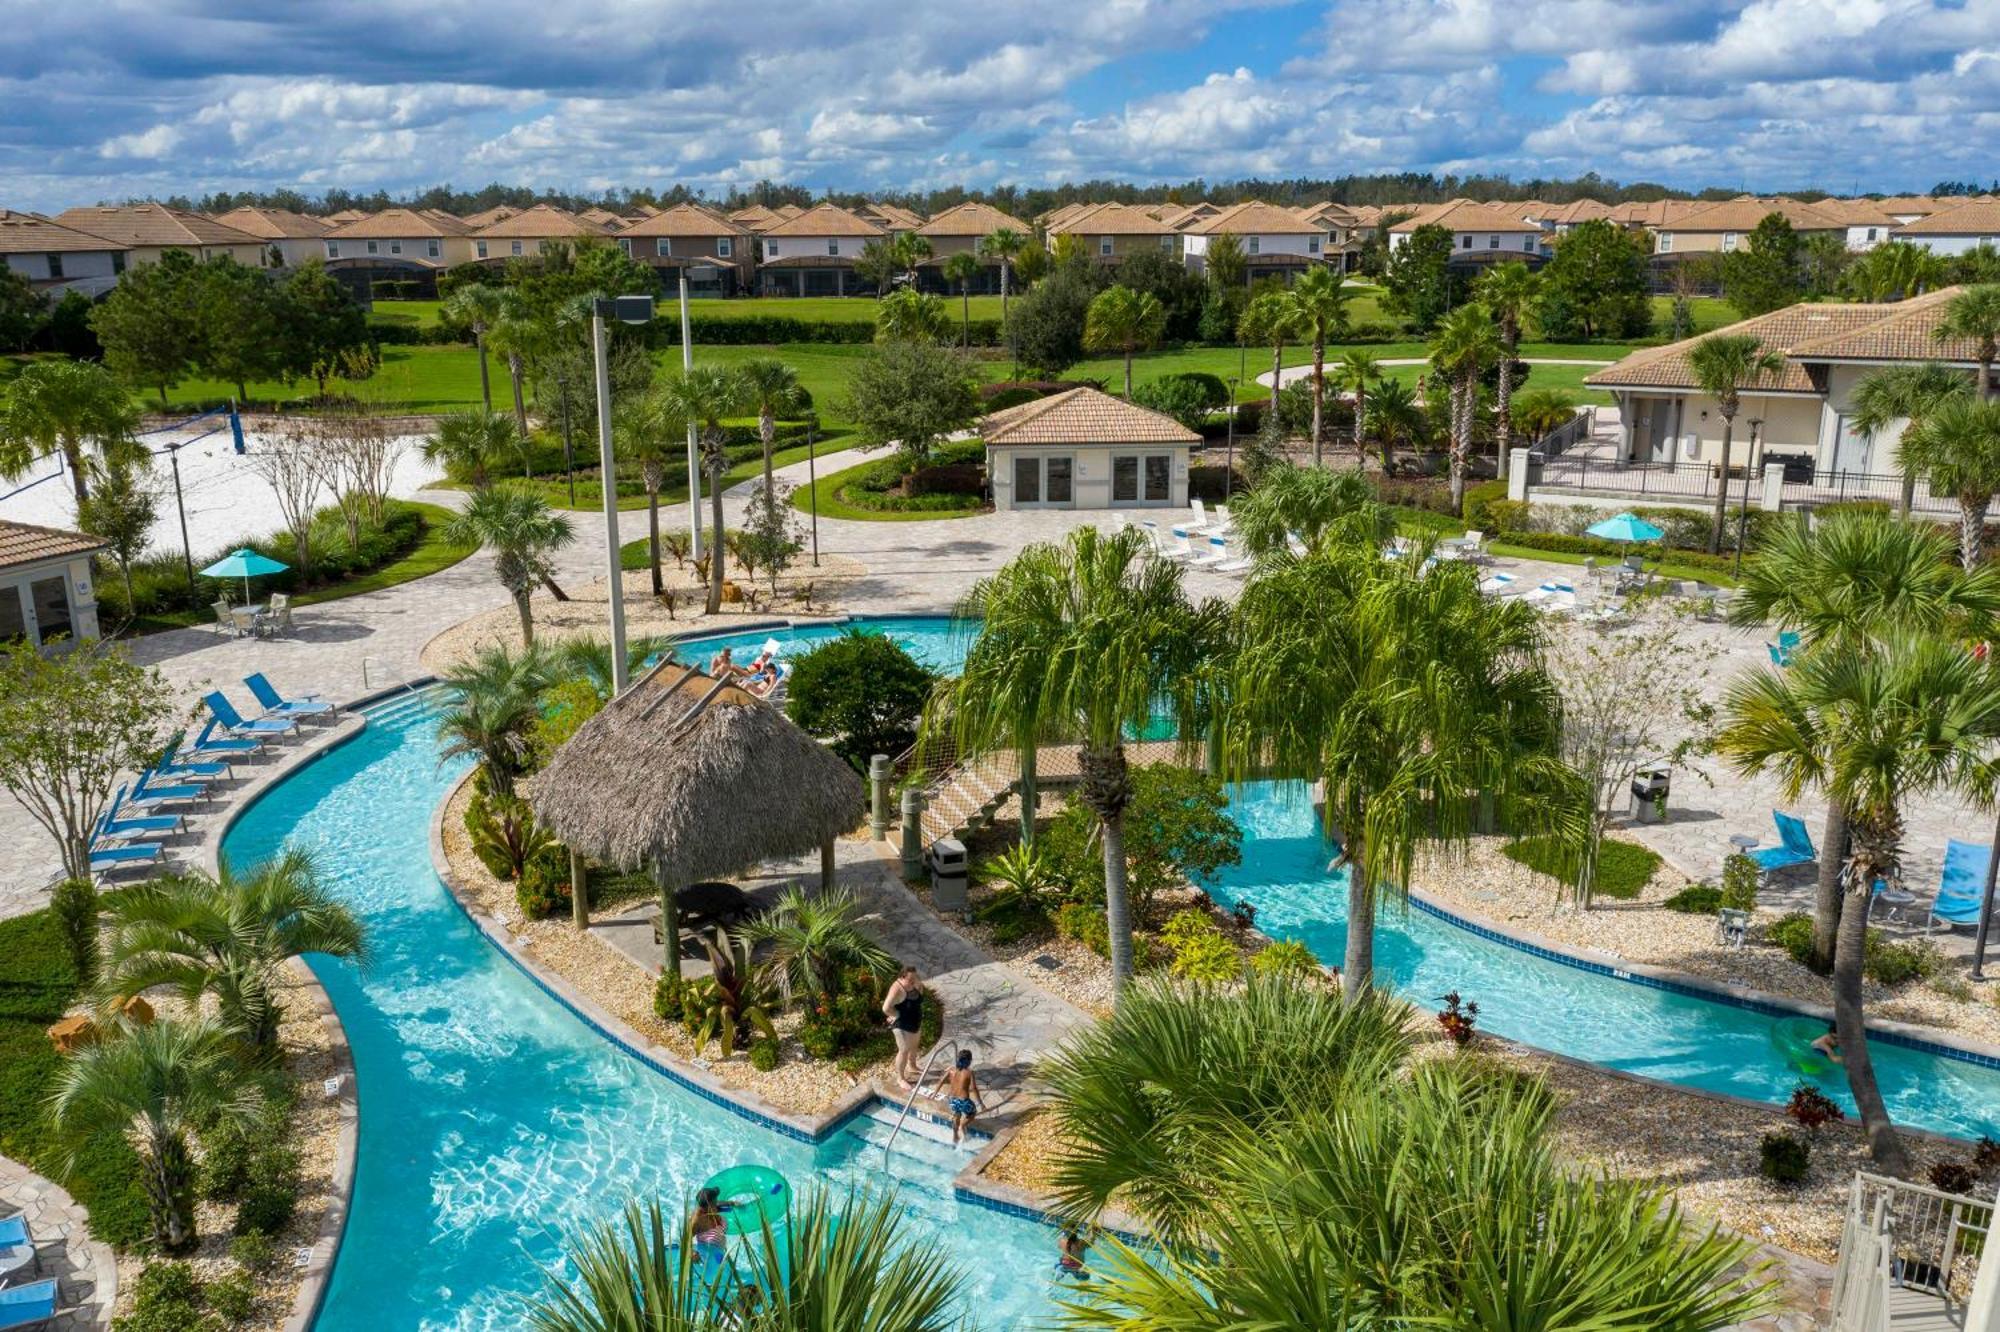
(763, 679)
(722, 665)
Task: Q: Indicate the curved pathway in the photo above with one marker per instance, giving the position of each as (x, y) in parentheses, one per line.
(85, 1270)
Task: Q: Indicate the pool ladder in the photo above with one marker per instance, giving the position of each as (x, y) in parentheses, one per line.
(915, 1091)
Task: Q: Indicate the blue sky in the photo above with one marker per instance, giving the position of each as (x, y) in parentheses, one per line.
(106, 99)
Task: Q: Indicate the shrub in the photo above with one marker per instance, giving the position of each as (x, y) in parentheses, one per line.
(819, 1040)
(763, 1054)
(1952, 1177)
(1177, 828)
(265, 1209)
(1986, 1155)
(1086, 924)
(1783, 1158)
(1200, 951)
(1793, 933)
(876, 1045)
(1697, 899)
(232, 1296)
(864, 693)
(1739, 883)
(1012, 396)
(1623, 868)
(227, 1152)
(1887, 962)
(544, 887)
(166, 1298)
(504, 833)
(668, 1001)
(253, 1252)
(1459, 1018)
(1811, 1109)
(1287, 957)
(73, 903)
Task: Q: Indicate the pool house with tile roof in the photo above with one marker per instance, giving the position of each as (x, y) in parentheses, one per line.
(1084, 449)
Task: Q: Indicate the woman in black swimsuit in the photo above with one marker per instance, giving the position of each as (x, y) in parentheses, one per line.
(904, 1007)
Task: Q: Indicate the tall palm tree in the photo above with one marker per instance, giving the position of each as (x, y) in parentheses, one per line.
(478, 307)
(1077, 642)
(1004, 245)
(814, 938)
(1724, 364)
(908, 251)
(1842, 581)
(471, 445)
(821, 1266)
(1956, 448)
(1397, 416)
(771, 389)
(1124, 321)
(1463, 345)
(1906, 393)
(76, 408)
(155, 1085)
(1510, 292)
(1874, 724)
(1314, 505)
(1410, 696)
(1357, 372)
(491, 704)
(589, 659)
(1974, 315)
(228, 936)
(962, 268)
(648, 431)
(523, 533)
(518, 337)
(1268, 321)
(908, 315)
(704, 395)
(1318, 302)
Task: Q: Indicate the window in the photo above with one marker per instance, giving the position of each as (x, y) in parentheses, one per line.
(1871, 235)
(118, 258)
(1465, 242)
(1312, 245)
(1255, 245)
(1528, 244)
(395, 247)
(833, 246)
(1493, 241)
(663, 247)
(432, 247)
(1104, 246)
(373, 248)
(725, 248)
(1167, 244)
(479, 247)
(625, 244)
(55, 265)
(333, 249)
(1666, 242)
(1728, 241)
(770, 249)
(516, 249)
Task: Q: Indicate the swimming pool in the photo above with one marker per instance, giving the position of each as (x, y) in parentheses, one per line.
(493, 1121)
(932, 639)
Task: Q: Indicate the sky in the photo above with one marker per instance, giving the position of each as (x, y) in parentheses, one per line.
(114, 99)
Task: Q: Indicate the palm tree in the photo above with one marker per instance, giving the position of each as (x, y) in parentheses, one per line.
(814, 939)
(1414, 699)
(1312, 504)
(908, 250)
(704, 395)
(77, 408)
(1723, 365)
(1974, 315)
(1463, 345)
(1356, 373)
(155, 1085)
(908, 315)
(820, 1266)
(1397, 416)
(648, 432)
(519, 337)
(470, 445)
(1906, 393)
(1077, 642)
(524, 534)
(962, 268)
(1267, 321)
(1540, 410)
(1956, 448)
(1003, 245)
(1125, 321)
(1873, 724)
(228, 936)
(589, 659)
(491, 704)
(478, 307)
(1510, 292)
(1842, 581)
(771, 389)
(1318, 303)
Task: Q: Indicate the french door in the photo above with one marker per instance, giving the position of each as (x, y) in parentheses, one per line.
(1044, 481)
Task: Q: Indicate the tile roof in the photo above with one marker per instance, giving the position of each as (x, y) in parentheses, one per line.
(22, 544)
(1082, 416)
(152, 224)
(602, 217)
(488, 216)
(274, 223)
(399, 224)
(824, 220)
(1064, 213)
(1464, 215)
(1784, 331)
(1977, 218)
(788, 210)
(1905, 331)
(1582, 210)
(1331, 213)
(1910, 203)
(1254, 218)
(687, 219)
(1743, 214)
(1113, 220)
(756, 218)
(1854, 212)
(344, 216)
(972, 219)
(543, 221)
(31, 233)
(891, 217)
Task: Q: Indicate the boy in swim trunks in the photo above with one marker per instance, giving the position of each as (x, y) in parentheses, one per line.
(964, 1095)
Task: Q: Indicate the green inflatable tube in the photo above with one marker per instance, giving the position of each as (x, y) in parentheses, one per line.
(1793, 1039)
(752, 1195)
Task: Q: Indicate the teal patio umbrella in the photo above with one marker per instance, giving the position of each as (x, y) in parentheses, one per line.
(1625, 527)
(245, 564)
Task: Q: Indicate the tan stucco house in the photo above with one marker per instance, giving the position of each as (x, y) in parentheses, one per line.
(1084, 449)
(813, 254)
(960, 230)
(148, 231)
(718, 254)
(292, 237)
(1112, 233)
(55, 258)
(46, 588)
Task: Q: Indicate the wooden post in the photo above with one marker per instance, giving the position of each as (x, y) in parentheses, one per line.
(670, 925)
(579, 892)
(826, 866)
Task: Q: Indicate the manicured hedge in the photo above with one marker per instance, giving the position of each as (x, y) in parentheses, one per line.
(1560, 544)
(1623, 868)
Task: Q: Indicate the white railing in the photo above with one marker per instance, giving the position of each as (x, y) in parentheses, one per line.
(1909, 1238)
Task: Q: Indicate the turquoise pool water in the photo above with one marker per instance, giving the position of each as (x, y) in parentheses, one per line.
(493, 1120)
(1658, 1033)
(931, 639)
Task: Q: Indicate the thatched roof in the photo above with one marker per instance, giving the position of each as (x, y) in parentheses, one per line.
(700, 778)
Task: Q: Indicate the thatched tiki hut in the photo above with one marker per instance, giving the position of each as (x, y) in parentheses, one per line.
(696, 779)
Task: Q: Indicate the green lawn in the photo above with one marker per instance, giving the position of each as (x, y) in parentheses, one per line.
(826, 495)
(590, 497)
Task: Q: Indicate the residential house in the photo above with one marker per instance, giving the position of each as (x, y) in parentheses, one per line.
(1112, 233)
(397, 245)
(718, 256)
(756, 218)
(55, 258)
(486, 217)
(604, 218)
(893, 219)
(959, 230)
(1083, 449)
(1721, 227)
(343, 217)
(1480, 233)
(1957, 229)
(292, 238)
(1344, 230)
(1867, 225)
(524, 235)
(1907, 208)
(1802, 414)
(813, 254)
(1561, 221)
(1276, 242)
(47, 591)
(1182, 216)
(149, 230)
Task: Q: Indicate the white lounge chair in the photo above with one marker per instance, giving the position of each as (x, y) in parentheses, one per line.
(1199, 521)
(1178, 547)
(1500, 585)
(1217, 552)
(1224, 524)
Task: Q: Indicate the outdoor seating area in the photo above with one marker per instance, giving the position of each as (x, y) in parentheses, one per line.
(246, 619)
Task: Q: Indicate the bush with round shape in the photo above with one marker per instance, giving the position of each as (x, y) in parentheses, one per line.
(1086, 924)
(1287, 957)
(1783, 1158)
(1812, 1109)
(668, 999)
(863, 693)
(544, 888)
(1794, 934)
(1199, 949)
(1697, 899)
(1952, 1177)
(253, 1252)
(820, 1040)
(233, 1297)
(764, 1054)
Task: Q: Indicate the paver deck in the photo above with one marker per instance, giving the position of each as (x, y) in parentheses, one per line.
(85, 1270)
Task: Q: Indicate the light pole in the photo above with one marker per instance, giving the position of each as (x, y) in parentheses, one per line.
(1229, 465)
(629, 310)
(694, 466)
(1743, 507)
(180, 505)
(812, 480)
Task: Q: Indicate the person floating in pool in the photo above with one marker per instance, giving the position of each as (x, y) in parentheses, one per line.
(965, 1097)
(709, 1230)
(1070, 1251)
(1828, 1043)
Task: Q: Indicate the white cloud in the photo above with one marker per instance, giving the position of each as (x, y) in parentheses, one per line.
(155, 142)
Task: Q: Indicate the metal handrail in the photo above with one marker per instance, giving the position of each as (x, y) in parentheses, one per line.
(911, 1100)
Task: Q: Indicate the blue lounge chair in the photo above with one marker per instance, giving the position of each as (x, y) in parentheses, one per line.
(1784, 649)
(15, 1241)
(1794, 846)
(32, 1305)
(128, 856)
(116, 822)
(208, 742)
(153, 789)
(232, 721)
(277, 705)
(1961, 885)
(172, 764)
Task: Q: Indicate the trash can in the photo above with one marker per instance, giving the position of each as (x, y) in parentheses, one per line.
(1649, 794)
(947, 858)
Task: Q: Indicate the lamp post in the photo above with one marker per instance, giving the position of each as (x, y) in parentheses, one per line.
(812, 479)
(694, 466)
(1229, 465)
(629, 310)
(180, 506)
(1743, 507)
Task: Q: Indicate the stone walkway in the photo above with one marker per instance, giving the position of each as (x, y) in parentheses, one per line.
(85, 1271)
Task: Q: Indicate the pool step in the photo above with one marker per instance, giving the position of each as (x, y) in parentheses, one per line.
(401, 710)
(876, 1123)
